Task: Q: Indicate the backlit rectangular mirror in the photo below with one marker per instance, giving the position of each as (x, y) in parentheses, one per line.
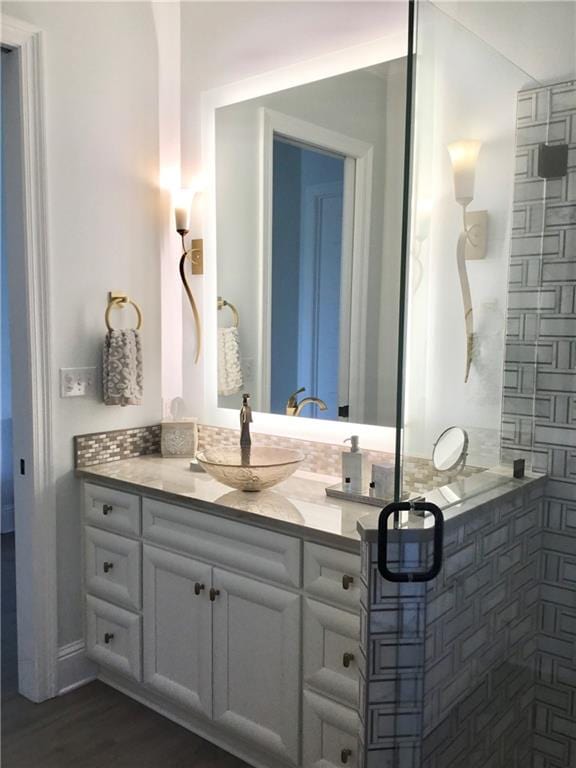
(308, 232)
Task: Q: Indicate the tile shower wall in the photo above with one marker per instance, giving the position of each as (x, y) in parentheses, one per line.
(541, 362)
(449, 672)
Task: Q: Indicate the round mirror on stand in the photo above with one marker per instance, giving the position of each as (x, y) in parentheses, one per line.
(451, 449)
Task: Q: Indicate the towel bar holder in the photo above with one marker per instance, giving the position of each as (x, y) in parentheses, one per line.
(119, 300)
(223, 303)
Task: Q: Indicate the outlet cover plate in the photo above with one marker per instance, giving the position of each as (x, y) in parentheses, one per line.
(78, 382)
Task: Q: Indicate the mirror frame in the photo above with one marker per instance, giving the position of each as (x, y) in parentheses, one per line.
(381, 49)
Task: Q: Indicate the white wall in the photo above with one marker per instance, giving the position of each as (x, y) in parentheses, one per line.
(363, 105)
(538, 36)
(102, 166)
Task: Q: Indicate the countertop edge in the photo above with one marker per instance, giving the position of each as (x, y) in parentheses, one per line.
(313, 535)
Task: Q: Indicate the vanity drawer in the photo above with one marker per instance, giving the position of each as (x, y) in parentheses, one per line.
(268, 555)
(114, 637)
(331, 651)
(113, 567)
(330, 734)
(332, 576)
(114, 510)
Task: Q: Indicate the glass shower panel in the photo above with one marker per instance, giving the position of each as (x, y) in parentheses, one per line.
(463, 176)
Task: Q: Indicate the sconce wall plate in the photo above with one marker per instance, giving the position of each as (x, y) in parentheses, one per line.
(477, 226)
(197, 256)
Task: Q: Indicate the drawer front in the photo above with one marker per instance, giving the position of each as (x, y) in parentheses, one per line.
(114, 510)
(330, 734)
(113, 567)
(265, 554)
(114, 637)
(332, 576)
(331, 651)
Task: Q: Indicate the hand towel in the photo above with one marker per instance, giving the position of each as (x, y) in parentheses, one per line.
(122, 376)
(229, 370)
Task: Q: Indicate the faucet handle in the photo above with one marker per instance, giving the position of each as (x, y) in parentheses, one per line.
(292, 400)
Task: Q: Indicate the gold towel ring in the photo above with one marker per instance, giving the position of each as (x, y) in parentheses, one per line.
(119, 301)
(236, 317)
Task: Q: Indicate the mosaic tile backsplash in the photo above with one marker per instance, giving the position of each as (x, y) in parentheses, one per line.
(323, 458)
(101, 447)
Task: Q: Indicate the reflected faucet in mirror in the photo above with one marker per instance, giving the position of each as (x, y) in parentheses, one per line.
(294, 408)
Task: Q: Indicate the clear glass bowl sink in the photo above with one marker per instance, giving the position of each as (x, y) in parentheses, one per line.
(250, 469)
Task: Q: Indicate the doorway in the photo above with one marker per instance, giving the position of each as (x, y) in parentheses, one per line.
(307, 221)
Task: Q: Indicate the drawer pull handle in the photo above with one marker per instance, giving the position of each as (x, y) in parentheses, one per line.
(214, 593)
(346, 581)
(108, 637)
(345, 755)
(107, 508)
(347, 659)
(198, 588)
(108, 567)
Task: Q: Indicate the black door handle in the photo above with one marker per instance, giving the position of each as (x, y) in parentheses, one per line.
(404, 506)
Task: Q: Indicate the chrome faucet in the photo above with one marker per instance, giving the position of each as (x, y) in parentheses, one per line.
(294, 408)
(245, 421)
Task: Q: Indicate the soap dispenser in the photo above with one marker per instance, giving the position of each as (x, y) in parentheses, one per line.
(353, 465)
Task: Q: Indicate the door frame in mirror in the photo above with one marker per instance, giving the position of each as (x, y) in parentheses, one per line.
(355, 238)
(205, 394)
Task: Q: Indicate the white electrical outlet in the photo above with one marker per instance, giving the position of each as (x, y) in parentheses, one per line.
(77, 382)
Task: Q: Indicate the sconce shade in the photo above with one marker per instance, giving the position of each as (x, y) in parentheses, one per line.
(182, 203)
(464, 155)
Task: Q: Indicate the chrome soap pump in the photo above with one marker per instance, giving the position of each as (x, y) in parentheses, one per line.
(354, 465)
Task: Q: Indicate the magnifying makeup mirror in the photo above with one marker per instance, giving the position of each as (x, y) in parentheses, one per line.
(451, 449)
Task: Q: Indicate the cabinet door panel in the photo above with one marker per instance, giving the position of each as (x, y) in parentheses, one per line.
(113, 567)
(113, 637)
(330, 737)
(332, 576)
(111, 509)
(331, 651)
(178, 629)
(257, 663)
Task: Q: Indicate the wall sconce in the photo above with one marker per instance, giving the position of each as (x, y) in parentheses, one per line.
(472, 241)
(182, 200)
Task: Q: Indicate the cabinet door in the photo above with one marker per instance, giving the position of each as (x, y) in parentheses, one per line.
(178, 628)
(257, 663)
(330, 738)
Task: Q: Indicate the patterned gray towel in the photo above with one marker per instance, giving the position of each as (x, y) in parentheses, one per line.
(122, 375)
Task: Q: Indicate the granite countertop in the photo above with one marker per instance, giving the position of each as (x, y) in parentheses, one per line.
(299, 506)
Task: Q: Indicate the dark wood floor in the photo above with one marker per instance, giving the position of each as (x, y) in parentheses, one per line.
(93, 727)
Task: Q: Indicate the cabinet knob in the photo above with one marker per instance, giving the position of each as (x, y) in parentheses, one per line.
(346, 581)
(214, 593)
(107, 567)
(108, 637)
(347, 659)
(198, 588)
(345, 755)
(107, 508)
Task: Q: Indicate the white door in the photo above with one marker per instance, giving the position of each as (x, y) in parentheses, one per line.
(178, 628)
(257, 663)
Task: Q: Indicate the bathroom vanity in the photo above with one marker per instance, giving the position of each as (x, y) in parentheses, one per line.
(240, 625)
(260, 621)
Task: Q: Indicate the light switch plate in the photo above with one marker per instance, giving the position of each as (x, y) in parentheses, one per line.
(77, 382)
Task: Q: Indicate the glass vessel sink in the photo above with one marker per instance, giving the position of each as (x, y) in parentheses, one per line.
(250, 469)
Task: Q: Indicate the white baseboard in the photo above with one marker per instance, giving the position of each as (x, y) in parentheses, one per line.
(74, 668)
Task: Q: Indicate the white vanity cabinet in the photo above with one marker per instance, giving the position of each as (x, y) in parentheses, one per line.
(244, 634)
(177, 628)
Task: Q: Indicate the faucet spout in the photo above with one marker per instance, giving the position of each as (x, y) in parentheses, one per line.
(245, 421)
(310, 401)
